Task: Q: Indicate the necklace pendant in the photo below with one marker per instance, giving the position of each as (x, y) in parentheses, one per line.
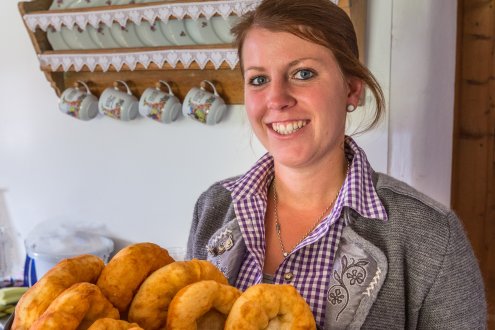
(285, 254)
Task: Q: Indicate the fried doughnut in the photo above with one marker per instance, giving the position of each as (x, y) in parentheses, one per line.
(112, 324)
(76, 308)
(84, 268)
(203, 305)
(150, 304)
(270, 306)
(125, 272)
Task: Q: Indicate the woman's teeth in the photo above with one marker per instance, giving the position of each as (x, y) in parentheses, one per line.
(288, 127)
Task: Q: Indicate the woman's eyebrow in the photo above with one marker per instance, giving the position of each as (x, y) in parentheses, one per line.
(291, 64)
(299, 60)
(254, 68)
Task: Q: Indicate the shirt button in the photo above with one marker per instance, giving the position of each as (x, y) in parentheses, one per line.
(288, 276)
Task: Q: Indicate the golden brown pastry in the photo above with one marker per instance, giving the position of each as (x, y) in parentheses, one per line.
(203, 305)
(76, 309)
(123, 275)
(270, 306)
(150, 305)
(112, 324)
(84, 268)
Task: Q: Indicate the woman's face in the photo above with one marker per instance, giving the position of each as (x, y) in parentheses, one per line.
(296, 97)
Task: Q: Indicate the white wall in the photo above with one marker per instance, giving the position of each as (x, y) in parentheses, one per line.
(141, 179)
(422, 94)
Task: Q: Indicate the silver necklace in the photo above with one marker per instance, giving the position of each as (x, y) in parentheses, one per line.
(286, 253)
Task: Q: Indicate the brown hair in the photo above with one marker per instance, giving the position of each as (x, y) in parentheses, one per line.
(318, 21)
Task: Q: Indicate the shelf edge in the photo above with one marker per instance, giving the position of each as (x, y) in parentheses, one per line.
(105, 61)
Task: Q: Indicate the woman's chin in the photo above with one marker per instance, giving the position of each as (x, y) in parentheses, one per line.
(294, 159)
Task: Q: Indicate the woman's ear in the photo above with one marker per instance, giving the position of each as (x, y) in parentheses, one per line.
(355, 91)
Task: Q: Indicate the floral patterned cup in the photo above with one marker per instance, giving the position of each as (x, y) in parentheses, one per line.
(204, 106)
(79, 102)
(159, 105)
(117, 104)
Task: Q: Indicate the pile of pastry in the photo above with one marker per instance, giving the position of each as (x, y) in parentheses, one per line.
(142, 287)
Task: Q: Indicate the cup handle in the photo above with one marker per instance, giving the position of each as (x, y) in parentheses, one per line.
(211, 84)
(166, 84)
(116, 86)
(88, 91)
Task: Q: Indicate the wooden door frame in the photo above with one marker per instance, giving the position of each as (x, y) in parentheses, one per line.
(473, 162)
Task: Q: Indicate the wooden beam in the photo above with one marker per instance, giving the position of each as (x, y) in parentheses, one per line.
(473, 181)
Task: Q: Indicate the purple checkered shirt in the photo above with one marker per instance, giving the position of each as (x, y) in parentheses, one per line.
(311, 261)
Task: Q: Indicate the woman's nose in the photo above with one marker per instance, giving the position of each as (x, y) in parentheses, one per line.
(279, 96)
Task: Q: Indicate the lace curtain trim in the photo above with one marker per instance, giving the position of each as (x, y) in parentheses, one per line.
(76, 62)
(136, 14)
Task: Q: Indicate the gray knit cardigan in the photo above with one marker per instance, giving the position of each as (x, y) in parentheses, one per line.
(432, 278)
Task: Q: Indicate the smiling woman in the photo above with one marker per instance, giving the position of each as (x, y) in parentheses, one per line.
(363, 249)
(296, 101)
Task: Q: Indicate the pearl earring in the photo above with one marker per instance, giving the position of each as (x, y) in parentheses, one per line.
(351, 108)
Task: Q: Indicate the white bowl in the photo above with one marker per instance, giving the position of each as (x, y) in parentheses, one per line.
(175, 31)
(47, 251)
(201, 31)
(125, 36)
(151, 34)
(102, 36)
(77, 38)
(222, 27)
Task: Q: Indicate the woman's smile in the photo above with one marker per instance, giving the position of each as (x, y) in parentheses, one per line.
(288, 127)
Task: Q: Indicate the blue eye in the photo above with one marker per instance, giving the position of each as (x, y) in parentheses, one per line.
(258, 80)
(304, 74)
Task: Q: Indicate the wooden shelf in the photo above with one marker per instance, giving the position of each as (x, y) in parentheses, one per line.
(140, 75)
(140, 79)
(108, 65)
(183, 66)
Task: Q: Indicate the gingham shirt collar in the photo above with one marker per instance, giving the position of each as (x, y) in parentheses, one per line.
(357, 193)
(255, 182)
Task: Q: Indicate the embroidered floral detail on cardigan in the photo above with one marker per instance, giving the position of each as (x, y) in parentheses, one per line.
(336, 297)
(352, 273)
(355, 276)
